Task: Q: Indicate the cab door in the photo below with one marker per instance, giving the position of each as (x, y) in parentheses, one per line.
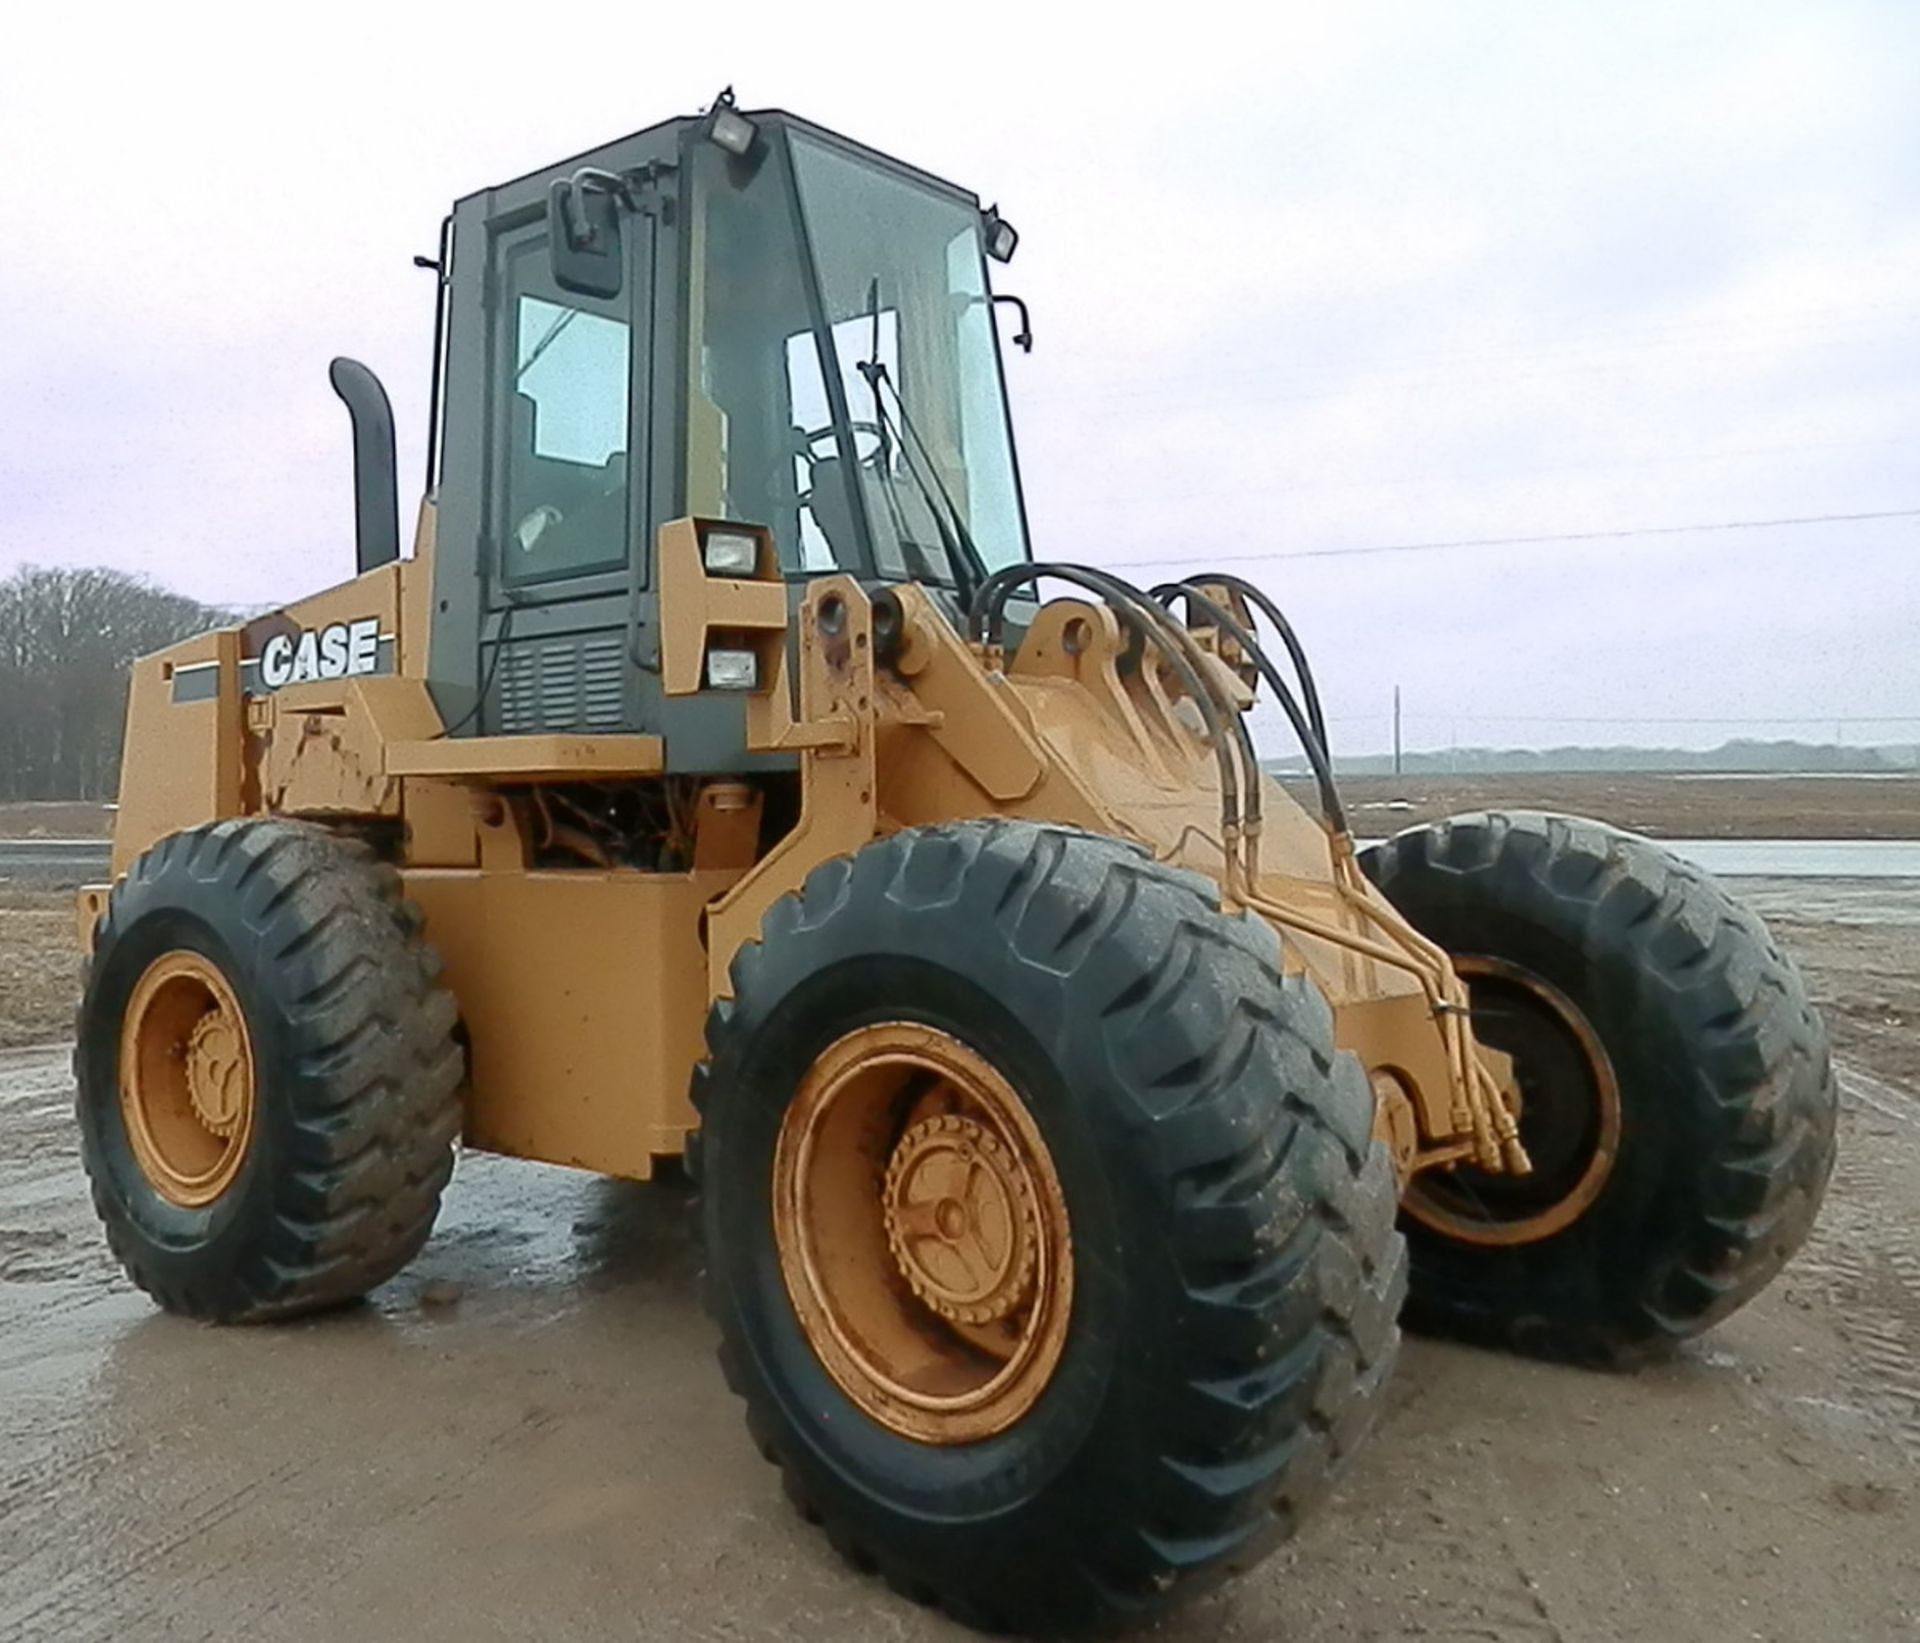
(550, 492)
(567, 489)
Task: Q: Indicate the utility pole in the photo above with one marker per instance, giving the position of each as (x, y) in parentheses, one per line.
(1396, 730)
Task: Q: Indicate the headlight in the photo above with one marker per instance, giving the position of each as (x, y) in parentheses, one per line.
(730, 553)
(732, 670)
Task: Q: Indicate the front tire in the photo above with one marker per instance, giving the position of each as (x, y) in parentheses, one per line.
(266, 1070)
(1212, 1289)
(1676, 1091)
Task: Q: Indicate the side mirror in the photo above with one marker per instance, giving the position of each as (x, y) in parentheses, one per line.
(583, 237)
(1022, 338)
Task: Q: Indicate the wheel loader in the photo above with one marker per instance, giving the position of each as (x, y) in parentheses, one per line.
(722, 783)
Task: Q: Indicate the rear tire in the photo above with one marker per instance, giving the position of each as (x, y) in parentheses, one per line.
(323, 1178)
(1725, 1096)
(1235, 1273)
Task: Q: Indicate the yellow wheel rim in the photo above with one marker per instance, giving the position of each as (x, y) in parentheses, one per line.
(1570, 1119)
(923, 1233)
(187, 1086)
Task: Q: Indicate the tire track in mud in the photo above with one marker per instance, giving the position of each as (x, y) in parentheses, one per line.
(60, 1442)
(36, 1076)
(1424, 1501)
(1864, 1255)
(82, 1588)
(52, 1266)
(83, 1591)
(49, 1245)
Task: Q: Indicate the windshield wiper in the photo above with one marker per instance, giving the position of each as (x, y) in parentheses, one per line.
(873, 358)
(547, 339)
(963, 555)
(967, 567)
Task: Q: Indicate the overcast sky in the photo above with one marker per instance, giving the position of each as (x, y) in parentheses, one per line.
(1304, 277)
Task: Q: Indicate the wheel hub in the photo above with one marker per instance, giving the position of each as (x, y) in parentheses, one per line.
(923, 1233)
(219, 1080)
(961, 1220)
(1561, 1086)
(187, 1090)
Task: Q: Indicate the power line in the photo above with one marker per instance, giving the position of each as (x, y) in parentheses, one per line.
(1338, 379)
(1698, 719)
(1522, 541)
(1373, 483)
(1550, 350)
(1443, 716)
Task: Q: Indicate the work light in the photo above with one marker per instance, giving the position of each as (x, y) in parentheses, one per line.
(728, 127)
(1001, 235)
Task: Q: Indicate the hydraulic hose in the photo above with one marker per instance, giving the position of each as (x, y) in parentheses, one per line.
(1479, 1112)
(987, 620)
(1312, 743)
(1258, 598)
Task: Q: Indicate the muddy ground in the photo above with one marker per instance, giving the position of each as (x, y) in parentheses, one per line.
(525, 1434)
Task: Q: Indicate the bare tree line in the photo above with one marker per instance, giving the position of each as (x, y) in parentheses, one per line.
(67, 638)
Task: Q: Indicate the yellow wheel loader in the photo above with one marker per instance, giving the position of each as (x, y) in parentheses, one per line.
(1071, 1110)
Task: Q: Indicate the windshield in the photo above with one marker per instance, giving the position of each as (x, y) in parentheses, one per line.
(865, 399)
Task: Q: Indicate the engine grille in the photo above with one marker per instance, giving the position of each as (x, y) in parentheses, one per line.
(568, 683)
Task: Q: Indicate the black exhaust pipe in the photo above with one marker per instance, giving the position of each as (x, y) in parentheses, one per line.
(376, 492)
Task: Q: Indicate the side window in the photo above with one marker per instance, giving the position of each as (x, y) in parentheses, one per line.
(567, 441)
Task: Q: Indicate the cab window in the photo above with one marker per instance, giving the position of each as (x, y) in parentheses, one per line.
(566, 440)
(760, 439)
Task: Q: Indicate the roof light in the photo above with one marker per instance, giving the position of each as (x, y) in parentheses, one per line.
(728, 127)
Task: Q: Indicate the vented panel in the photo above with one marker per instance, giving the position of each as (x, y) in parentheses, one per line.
(569, 683)
(602, 683)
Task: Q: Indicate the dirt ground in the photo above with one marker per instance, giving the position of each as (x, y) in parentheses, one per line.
(39, 965)
(56, 819)
(1674, 807)
(525, 1434)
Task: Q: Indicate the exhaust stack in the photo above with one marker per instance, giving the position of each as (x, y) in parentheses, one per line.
(376, 496)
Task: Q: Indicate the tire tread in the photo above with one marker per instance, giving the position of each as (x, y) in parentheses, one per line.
(1279, 1211)
(1762, 1067)
(372, 1078)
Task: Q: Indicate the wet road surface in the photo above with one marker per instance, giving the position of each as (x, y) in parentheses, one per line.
(525, 1435)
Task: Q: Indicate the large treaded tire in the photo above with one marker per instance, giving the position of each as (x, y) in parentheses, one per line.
(1726, 1089)
(356, 1066)
(1238, 1278)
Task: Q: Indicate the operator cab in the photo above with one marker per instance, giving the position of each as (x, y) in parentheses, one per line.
(732, 317)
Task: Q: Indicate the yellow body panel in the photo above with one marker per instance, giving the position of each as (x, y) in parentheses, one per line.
(183, 759)
(584, 991)
(527, 758)
(584, 996)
